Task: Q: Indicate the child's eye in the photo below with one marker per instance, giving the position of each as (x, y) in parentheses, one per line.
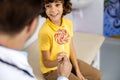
(58, 5)
(47, 6)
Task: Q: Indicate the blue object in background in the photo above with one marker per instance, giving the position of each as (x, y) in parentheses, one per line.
(111, 18)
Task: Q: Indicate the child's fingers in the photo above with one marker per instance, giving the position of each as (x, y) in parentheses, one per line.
(59, 58)
(61, 54)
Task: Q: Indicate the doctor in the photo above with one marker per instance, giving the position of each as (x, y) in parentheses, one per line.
(18, 21)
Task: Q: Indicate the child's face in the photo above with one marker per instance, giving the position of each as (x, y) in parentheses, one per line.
(54, 11)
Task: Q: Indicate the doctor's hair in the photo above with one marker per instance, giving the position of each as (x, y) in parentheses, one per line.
(15, 15)
(67, 7)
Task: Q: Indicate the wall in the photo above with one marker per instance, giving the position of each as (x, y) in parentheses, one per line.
(92, 20)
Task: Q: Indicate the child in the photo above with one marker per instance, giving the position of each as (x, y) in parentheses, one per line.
(55, 38)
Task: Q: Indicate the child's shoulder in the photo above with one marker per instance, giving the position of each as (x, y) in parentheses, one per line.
(44, 25)
(44, 28)
(67, 20)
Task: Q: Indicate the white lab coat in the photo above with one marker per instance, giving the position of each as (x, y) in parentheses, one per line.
(14, 65)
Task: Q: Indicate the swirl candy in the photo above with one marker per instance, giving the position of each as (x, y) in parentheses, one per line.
(61, 36)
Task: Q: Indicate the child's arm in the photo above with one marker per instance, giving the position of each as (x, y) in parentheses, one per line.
(73, 59)
(46, 60)
(51, 63)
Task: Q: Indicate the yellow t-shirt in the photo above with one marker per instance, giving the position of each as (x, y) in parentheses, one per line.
(55, 39)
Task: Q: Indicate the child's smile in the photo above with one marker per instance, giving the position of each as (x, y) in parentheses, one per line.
(54, 14)
(54, 11)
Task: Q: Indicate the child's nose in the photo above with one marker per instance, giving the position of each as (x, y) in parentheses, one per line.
(53, 9)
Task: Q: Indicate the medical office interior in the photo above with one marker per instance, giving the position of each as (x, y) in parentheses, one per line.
(89, 23)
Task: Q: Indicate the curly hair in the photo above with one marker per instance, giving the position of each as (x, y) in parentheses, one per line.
(67, 7)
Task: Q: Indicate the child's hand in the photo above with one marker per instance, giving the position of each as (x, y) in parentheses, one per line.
(60, 56)
(64, 67)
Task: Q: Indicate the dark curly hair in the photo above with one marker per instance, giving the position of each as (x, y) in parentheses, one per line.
(67, 6)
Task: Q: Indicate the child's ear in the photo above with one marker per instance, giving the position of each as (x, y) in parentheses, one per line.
(32, 26)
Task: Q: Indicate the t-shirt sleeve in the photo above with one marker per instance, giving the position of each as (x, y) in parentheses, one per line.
(44, 41)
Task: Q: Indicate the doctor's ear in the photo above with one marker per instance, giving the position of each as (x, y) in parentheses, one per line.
(32, 26)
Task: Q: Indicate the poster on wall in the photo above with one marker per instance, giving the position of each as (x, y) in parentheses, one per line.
(111, 18)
